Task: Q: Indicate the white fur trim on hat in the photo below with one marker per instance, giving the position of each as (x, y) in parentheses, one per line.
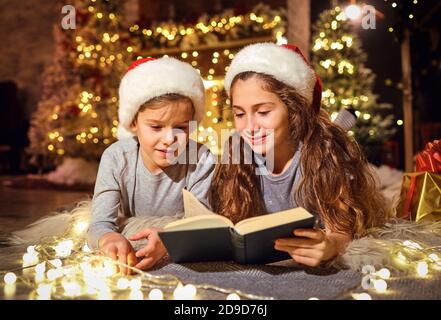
(152, 79)
(282, 63)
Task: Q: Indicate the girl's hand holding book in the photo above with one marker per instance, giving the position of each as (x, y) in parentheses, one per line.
(310, 247)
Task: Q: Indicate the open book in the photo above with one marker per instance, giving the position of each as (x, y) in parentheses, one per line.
(205, 236)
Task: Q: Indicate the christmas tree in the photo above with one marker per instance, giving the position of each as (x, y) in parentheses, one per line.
(339, 60)
(77, 112)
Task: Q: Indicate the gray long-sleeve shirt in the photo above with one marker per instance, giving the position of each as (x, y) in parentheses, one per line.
(278, 191)
(125, 187)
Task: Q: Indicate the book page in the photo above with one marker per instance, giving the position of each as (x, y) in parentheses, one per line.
(197, 216)
(192, 206)
(199, 222)
(271, 220)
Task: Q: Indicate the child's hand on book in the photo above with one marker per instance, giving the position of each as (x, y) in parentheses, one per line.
(153, 251)
(117, 247)
(310, 246)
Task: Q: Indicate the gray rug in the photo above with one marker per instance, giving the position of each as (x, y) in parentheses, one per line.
(281, 281)
(278, 282)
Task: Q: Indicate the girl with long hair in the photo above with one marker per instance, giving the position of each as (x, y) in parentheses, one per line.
(275, 97)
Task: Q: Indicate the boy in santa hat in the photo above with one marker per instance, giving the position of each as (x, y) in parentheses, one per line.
(143, 174)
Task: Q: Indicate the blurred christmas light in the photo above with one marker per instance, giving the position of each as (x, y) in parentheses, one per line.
(380, 286)
(353, 12)
(10, 278)
(422, 269)
(384, 273)
(156, 294)
(361, 296)
(233, 296)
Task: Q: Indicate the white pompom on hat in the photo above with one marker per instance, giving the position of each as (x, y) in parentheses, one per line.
(149, 78)
(285, 63)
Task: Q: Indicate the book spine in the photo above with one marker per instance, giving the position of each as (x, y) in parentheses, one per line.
(238, 246)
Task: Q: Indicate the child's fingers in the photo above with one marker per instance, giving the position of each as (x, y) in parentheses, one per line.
(111, 252)
(131, 261)
(311, 262)
(145, 263)
(310, 233)
(141, 234)
(283, 248)
(146, 250)
(297, 242)
(293, 250)
(301, 252)
(122, 259)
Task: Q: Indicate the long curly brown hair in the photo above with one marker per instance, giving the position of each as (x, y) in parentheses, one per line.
(336, 183)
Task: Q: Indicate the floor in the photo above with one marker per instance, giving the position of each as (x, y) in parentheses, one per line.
(19, 207)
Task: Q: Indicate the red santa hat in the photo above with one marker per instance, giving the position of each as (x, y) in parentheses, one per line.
(285, 63)
(149, 78)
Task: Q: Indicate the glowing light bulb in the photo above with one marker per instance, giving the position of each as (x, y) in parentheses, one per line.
(30, 259)
(135, 284)
(434, 257)
(367, 282)
(53, 274)
(86, 248)
(189, 291)
(10, 278)
(56, 263)
(368, 269)
(44, 291)
(68, 271)
(81, 226)
(71, 288)
(353, 12)
(123, 283)
(282, 40)
(40, 268)
(136, 295)
(156, 294)
(105, 294)
(178, 293)
(384, 273)
(401, 258)
(64, 248)
(362, 296)
(31, 249)
(411, 244)
(233, 296)
(39, 277)
(380, 285)
(313, 298)
(422, 268)
(109, 268)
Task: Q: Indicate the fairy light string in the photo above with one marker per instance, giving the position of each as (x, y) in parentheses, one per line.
(65, 268)
(409, 260)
